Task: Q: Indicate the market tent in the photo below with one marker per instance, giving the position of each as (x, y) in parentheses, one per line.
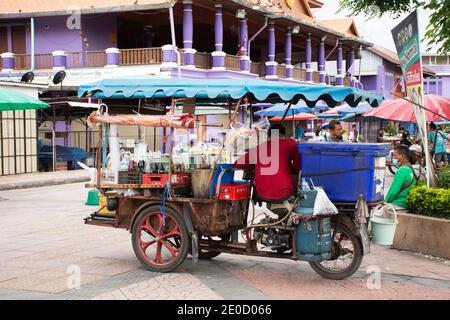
(402, 110)
(15, 100)
(297, 117)
(279, 109)
(254, 89)
(345, 111)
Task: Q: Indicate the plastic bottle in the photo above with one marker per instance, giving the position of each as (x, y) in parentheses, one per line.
(305, 185)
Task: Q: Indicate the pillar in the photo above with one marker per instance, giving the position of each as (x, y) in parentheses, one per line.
(288, 54)
(188, 34)
(321, 62)
(352, 68)
(218, 55)
(271, 64)
(339, 75)
(112, 57)
(243, 43)
(309, 72)
(7, 61)
(59, 59)
(169, 56)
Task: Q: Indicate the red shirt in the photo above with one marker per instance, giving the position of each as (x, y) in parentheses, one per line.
(273, 174)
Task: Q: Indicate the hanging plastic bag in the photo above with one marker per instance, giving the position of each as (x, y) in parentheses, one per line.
(323, 206)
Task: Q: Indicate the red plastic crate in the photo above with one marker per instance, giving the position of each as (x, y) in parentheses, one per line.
(234, 191)
(161, 179)
(155, 179)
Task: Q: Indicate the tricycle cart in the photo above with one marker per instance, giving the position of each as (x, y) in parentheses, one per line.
(167, 221)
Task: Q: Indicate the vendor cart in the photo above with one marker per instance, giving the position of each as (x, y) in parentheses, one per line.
(168, 221)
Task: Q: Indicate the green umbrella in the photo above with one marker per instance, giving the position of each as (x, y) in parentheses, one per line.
(14, 100)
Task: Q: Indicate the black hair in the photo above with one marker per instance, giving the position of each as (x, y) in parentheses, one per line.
(404, 150)
(317, 132)
(279, 127)
(333, 123)
(433, 125)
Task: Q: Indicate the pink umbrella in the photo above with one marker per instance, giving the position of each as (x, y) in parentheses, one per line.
(402, 110)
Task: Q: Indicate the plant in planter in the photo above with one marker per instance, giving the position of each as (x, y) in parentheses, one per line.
(390, 130)
(444, 177)
(434, 202)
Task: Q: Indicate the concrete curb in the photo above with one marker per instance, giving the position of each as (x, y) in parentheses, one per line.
(45, 183)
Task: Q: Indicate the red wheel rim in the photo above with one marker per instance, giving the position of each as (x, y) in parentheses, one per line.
(159, 245)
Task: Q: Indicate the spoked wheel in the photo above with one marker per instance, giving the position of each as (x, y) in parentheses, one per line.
(346, 255)
(160, 248)
(206, 254)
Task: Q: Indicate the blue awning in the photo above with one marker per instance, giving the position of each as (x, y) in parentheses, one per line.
(279, 91)
(279, 109)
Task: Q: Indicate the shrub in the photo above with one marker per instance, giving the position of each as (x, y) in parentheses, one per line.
(444, 177)
(433, 202)
(390, 130)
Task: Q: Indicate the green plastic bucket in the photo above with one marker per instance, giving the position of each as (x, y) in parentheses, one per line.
(93, 197)
(383, 230)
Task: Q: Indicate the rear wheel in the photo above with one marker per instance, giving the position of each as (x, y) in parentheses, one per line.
(160, 245)
(346, 255)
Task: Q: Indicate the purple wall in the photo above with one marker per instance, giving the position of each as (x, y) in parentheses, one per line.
(369, 83)
(100, 31)
(56, 37)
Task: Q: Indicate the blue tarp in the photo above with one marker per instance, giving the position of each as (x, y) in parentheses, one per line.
(279, 109)
(260, 90)
(62, 154)
(347, 112)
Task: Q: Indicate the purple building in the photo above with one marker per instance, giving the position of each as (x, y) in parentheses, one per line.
(276, 40)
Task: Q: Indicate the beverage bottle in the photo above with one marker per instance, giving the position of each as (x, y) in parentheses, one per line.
(305, 185)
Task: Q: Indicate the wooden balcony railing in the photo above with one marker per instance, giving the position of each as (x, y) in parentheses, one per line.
(42, 61)
(95, 59)
(232, 62)
(203, 60)
(146, 56)
(140, 56)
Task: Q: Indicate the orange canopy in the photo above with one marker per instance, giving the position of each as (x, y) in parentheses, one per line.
(297, 117)
(175, 121)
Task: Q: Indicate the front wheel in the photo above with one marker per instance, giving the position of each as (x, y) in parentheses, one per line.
(160, 244)
(346, 255)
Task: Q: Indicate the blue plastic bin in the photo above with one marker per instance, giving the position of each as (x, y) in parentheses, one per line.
(228, 176)
(346, 170)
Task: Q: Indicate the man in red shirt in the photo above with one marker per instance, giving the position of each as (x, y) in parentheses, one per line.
(274, 162)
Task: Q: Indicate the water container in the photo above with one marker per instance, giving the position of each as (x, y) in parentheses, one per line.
(346, 170)
(313, 237)
(228, 176)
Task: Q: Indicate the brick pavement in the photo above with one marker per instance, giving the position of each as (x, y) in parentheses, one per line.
(42, 235)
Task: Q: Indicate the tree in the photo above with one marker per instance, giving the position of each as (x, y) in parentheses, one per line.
(438, 28)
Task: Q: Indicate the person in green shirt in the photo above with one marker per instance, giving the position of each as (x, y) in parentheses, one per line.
(404, 180)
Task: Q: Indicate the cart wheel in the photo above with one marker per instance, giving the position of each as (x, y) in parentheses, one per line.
(346, 255)
(206, 255)
(160, 248)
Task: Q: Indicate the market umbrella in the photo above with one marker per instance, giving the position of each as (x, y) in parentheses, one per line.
(297, 117)
(184, 120)
(279, 109)
(401, 110)
(15, 100)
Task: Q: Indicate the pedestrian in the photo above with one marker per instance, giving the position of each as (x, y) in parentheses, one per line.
(437, 140)
(299, 132)
(405, 140)
(404, 179)
(334, 131)
(354, 134)
(380, 135)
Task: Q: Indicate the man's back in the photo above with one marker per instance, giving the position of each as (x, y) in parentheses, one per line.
(273, 168)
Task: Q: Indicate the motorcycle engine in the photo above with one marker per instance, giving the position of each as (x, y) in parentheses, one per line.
(275, 239)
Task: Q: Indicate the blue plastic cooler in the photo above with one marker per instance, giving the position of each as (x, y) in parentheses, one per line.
(345, 170)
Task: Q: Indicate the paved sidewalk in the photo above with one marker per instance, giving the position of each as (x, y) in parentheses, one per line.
(44, 244)
(42, 179)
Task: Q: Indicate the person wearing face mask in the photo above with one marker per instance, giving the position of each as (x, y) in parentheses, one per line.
(404, 179)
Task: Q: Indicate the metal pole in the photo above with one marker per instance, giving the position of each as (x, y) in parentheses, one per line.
(174, 43)
(54, 140)
(32, 44)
